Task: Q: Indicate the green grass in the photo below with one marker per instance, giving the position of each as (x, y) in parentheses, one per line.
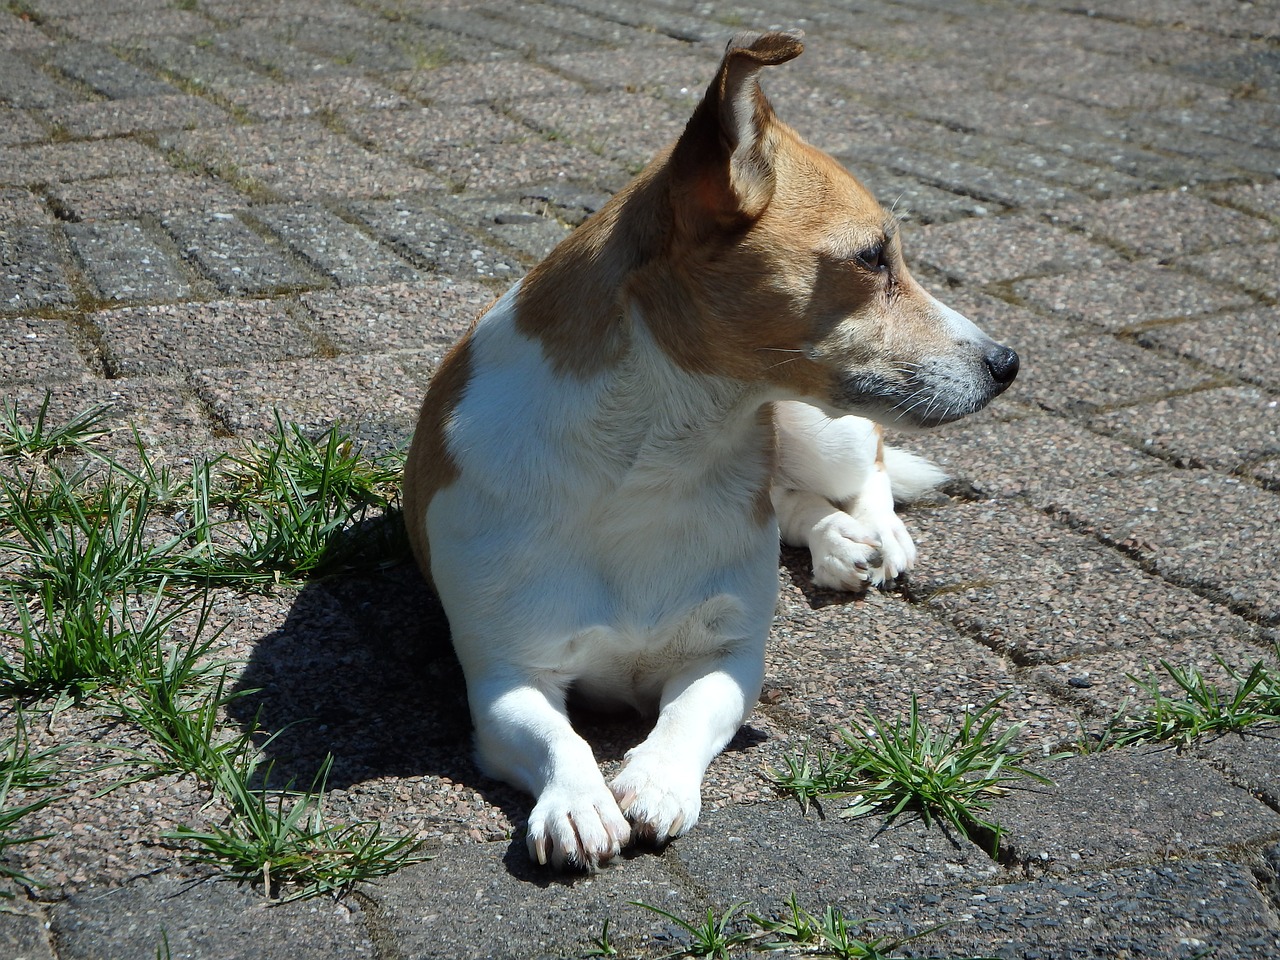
(109, 568)
(1204, 707)
(796, 932)
(891, 767)
(20, 769)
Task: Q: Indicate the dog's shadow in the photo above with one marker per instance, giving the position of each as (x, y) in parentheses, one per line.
(363, 671)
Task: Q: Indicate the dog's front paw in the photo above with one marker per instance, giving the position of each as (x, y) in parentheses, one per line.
(851, 552)
(660, 801)
(572, 826)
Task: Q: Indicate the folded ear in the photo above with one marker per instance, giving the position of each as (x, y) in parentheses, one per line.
(724, 157)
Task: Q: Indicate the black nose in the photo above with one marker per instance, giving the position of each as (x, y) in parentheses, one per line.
(1002, 362)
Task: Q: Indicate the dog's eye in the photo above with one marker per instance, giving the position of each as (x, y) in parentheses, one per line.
(872, 258)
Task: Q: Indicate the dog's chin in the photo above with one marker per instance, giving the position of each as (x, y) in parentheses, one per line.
(910, 406)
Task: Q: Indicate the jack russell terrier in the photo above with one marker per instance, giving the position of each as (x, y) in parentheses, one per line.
(603, 464)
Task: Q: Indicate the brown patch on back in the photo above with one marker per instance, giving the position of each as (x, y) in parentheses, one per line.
(762, 506)
(429, 466)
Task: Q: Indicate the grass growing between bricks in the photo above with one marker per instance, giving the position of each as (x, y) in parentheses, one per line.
(108, 566)
(888, 767)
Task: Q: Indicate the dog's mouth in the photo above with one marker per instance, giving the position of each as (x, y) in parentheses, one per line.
(931, 394)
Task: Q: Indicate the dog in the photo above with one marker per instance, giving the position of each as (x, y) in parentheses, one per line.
(602, 466)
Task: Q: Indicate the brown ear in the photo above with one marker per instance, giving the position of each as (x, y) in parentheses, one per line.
(724, 156)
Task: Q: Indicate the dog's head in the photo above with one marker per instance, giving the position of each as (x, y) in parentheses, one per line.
(798, 272)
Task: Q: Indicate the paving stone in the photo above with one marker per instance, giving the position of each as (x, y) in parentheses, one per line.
(628, 127)
(114, 198)
(832, 660)
(114, 118)
(1126, 807)
(1250, 760)
(1251, 266)
(334, 247)
(1002, 248)
(429, 315)
(204, 919)
(18, 126)
(18, 32)
(1187, 429)
(1118, 296)
(201, 61)
(22, 934)
(1167, 224)
(822, 860)
(1242, 343)
(238, 260)
(1027, 456)
(418, 232)
(155, 340)
(489, 901)
(298, 159)
(41, 163)
(499, 82)
(673, 73)
(33, 272)
(1175, 910)
(25, 85)
(162, 410)
(376, 396)
(124, 263)
(35, 349)
(1192, 527)
(107, 74)
(311, 96)
(128, 27)
(1038, 593)
(523, 223)
(18, 205)
(1118, 681)
(913, 201)
(479, 150)
(1260, 198)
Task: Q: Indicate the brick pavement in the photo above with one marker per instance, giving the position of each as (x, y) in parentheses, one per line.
(209, 209)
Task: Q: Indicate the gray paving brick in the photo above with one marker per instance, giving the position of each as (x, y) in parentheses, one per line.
(128, 27)
(18, 32)
(1039, 593)
(429, 315)
(18, 126)
(33, 271)
(305, 97)
(124, 263)
(155, 194)
(1124, 295)
(158, 340)
(1242, 343)
(1003, 248)
(23, 935)
(200, 61)
(1250, 760)
(205, 919)
(42, 163)
(236, 258)
(1175, 910)
(106, 73)
(421, 234)
(1185, 428)
(113, 118)
(500, 82)
(21, 206)
(24, 84)
(522, 223)
(1213, 532)
(1249, 266)
(33, 349)
(333, 246)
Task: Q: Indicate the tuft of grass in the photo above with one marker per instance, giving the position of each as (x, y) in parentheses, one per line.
(710, 937)
(891, 767)
(20, 769)
(1204, 707)
(281, 838)
(39, 440)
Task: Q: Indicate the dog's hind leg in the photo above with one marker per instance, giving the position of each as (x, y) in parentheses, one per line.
(523, 736)
(834, 493)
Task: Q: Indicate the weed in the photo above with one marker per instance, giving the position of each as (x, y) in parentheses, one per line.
(20, 769)
(1204, 707)
(39, 440)
(280, 837)
(892, 767)
(711, 937)
(600, 946)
